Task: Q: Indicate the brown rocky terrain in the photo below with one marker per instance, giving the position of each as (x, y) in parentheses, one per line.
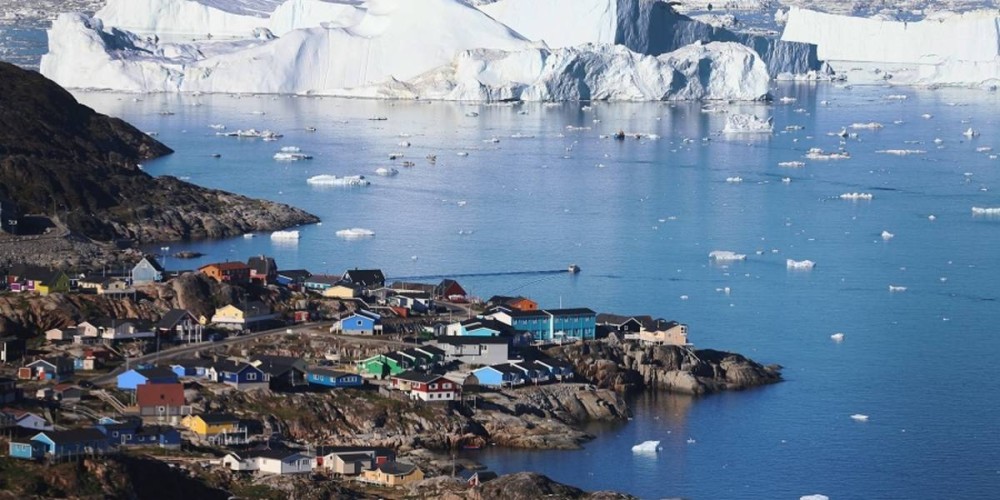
(625, 366)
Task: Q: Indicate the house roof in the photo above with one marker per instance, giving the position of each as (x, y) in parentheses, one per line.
(414, 353)
(554, 362)
(655, 325)
(262, 264)
(614, 319)
(193, 363)
(354, 457)
(414, 294)
(363, 313)
(327, 372)
(572, 311)
(230, 366)
(75, 436)
(172, 317)
(405, 285)
(431, 350)
(157, 372)
(517, 313)
(295, 274)
(337, 449)
(160, 395)
(152, 262)
(530, 365)
(60, 364)
(277, 365)
(218, 418)
(412, 376)
(469, 340)
(35, 273)
(271, 454)
(397, 468)
(505, 300)
(367, 277)
(502, 369)
(225, 266)
(326, 279)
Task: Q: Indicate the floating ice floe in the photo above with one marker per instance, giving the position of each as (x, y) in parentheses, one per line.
(985, 210)
(217, 126)
(786, 180)
(860, 417)
(248, 236)
(285, 235)
(252, 133)
(799, 264)
(886, 235)
(291, 149)
(355, 233)
(857, 196)
(815, 496)
(282, 156)
(837, 337)
(647, 447)
(462, 153)
(984, 149)
(333, 180)
(970, 133)
(404, 144)
(726, 256)
(867, 126)
(792, 164)
(901, 152)
(819, 154)
(897, 288)
(787, 100)
(740, 123)
(734, 180)
(386, 171)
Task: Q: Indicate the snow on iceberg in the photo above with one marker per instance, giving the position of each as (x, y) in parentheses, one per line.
(333, 180)
(815, 496)
(857, 196)
(428, 49)
(284, 156)
(860, 417)
(386, 171)
(985, 210)
(726, 256)
(819, 154)
(740, 123)
(837, 337)
(647, 447)
(799, 264)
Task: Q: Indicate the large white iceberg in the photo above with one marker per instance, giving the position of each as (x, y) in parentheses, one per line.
(647, 447)
(949, 49)
(405, 50)
(742, 123)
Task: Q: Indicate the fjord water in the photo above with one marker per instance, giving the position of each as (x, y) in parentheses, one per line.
(639, 217)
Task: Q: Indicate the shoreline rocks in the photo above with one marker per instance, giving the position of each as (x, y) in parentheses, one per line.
(627, 366)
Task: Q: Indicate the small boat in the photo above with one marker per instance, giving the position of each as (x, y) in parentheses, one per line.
(620, 135)
(573, 269)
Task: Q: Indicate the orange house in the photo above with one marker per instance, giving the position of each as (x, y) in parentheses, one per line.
(227, 272)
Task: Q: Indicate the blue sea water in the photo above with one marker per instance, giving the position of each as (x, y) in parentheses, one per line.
(640, 217)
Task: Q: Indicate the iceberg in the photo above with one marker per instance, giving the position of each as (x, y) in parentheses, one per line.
(414, 49)
(283, 156)
(285, 235)
(799, 264)
(333, 180)
(386, 171)
(819, 154)
(726, 256)
(647, 447)
(857, 196)
(886, 235)
(896, 288)
(740, 123)
(860, 417)
(985, 210)
(355, 233)
(791, 164)
(867, 126)
(837, 337)
(815, 496)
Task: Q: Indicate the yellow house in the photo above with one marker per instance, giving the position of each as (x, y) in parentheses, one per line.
(393, 474)
(664, 333)
(211, 424)
(228, 314)
(341, 292)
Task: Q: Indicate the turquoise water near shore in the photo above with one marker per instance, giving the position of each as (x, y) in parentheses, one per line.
(640, 217)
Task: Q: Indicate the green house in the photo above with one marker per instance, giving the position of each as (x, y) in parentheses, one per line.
(383, 365)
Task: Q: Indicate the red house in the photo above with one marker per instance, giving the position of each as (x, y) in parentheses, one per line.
(450, 290)
(426, 386)
(161, 400)
(227, 272)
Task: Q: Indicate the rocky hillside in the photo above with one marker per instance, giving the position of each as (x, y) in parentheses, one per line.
(625, 366)
(62, 159)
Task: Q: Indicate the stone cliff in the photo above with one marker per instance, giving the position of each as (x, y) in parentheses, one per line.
(626, 366)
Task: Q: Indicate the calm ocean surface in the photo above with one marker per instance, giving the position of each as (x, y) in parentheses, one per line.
(640, 217)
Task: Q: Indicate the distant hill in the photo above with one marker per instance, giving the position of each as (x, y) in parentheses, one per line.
(62, 159)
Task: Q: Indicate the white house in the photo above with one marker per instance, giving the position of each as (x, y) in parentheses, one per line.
(270, 461)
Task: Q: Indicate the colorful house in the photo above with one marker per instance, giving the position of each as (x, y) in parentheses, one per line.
(332, 378)
(147, 270)
(320, 282)
(368, 279)
(560, 370)
(283, 372)
(450, 290)
(131, 432)
(57, 445)
(393, 474)
(197, 368)
(519, 303)
(263, 270)
(26, 278)
(280, 462)
(551, 324)
(382, 365)
(344, 291)
(240, 375)
(426, 386)
(212, 424)
(164, 400)
(180, 324)
(133, 378)
(360, 322)
(54, 369)
(26, 420)
(534, 373)
(243, 316)
(236, 273)
(475, 350)
(292, 278)
(352, 460)
(501, 375)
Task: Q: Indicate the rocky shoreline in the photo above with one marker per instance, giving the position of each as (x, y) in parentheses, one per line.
(626, 366)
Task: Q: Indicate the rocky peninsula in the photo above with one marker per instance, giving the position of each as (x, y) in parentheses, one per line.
(63, 161)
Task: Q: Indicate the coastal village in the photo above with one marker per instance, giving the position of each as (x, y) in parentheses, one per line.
(189, 385)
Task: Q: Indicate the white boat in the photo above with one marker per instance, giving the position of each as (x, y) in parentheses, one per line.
(573, 269)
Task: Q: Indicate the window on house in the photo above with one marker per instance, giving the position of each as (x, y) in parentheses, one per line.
(446, 386)
(161, 409)
(434, 386)
(360, 323)
(251, 376)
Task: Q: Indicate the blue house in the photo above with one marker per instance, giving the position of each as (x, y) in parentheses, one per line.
(361, 322)
(331, 378)
(242, 376)
(131, 379)
(534, 372)
(131, 432)
(196, 368)
(561, 370)
(499, 376)
(551, 324)
(147, 270)
(54, 369)
(61, 444)
(318, 282)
